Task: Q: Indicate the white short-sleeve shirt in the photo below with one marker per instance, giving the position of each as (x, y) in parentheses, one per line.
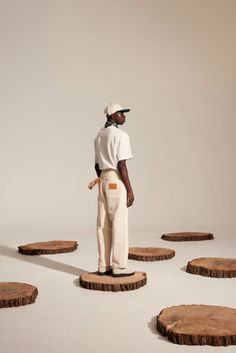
(111, 146)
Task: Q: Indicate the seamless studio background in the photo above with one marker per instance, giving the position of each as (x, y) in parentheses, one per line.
(171, 61)
(62, 61)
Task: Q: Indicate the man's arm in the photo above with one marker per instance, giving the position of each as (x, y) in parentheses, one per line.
(122, 168)
(98, 170)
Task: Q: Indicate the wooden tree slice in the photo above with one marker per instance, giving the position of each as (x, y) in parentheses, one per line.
(16, 294)
(187, 236)
(150, 254)
(48, 247)
(198, 325)
(213, 267)
(113, 284)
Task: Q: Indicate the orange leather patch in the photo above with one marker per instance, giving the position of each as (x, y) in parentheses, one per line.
(112, 186)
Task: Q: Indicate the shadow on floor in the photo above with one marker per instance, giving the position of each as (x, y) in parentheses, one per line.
(76, 282)
(152, 325)
(41, 260)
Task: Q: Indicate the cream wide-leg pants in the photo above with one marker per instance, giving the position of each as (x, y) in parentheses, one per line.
(112, 222)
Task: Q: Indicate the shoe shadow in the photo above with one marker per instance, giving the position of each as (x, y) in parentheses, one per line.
(152, 325)
(40, 260)
(77, 282)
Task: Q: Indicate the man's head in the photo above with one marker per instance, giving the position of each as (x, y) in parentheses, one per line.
(115, 112)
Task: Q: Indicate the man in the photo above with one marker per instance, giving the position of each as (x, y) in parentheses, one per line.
(112, 149)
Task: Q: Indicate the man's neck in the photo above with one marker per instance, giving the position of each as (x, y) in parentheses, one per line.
(111, 122)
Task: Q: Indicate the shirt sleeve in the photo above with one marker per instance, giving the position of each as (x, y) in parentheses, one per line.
(124, 149)
(95, 153)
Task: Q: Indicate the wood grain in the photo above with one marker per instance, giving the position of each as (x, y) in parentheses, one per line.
(150, 254)
(187, 236)
(16, 294)
(113, 284)
(198, 325)
(213, 267)
(48, 247)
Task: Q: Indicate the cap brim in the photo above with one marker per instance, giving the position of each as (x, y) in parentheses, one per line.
(124, 110)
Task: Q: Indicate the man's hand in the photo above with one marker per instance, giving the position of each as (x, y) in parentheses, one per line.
(130, 199)
(123, 171)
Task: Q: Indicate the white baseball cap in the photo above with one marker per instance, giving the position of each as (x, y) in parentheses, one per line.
(114, 108)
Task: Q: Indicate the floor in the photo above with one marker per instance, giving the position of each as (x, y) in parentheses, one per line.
(68, 318)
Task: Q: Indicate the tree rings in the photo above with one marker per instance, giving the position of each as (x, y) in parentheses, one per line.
(187, 236)
(48, 247)
(198, 325)
(213, 267)
(113, 284)
(16, 294)
(150, 254)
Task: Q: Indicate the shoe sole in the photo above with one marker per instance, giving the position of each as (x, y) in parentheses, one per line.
(105, 273)
(123, 274)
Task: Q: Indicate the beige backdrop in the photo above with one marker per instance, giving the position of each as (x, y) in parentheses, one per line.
(171, 61)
